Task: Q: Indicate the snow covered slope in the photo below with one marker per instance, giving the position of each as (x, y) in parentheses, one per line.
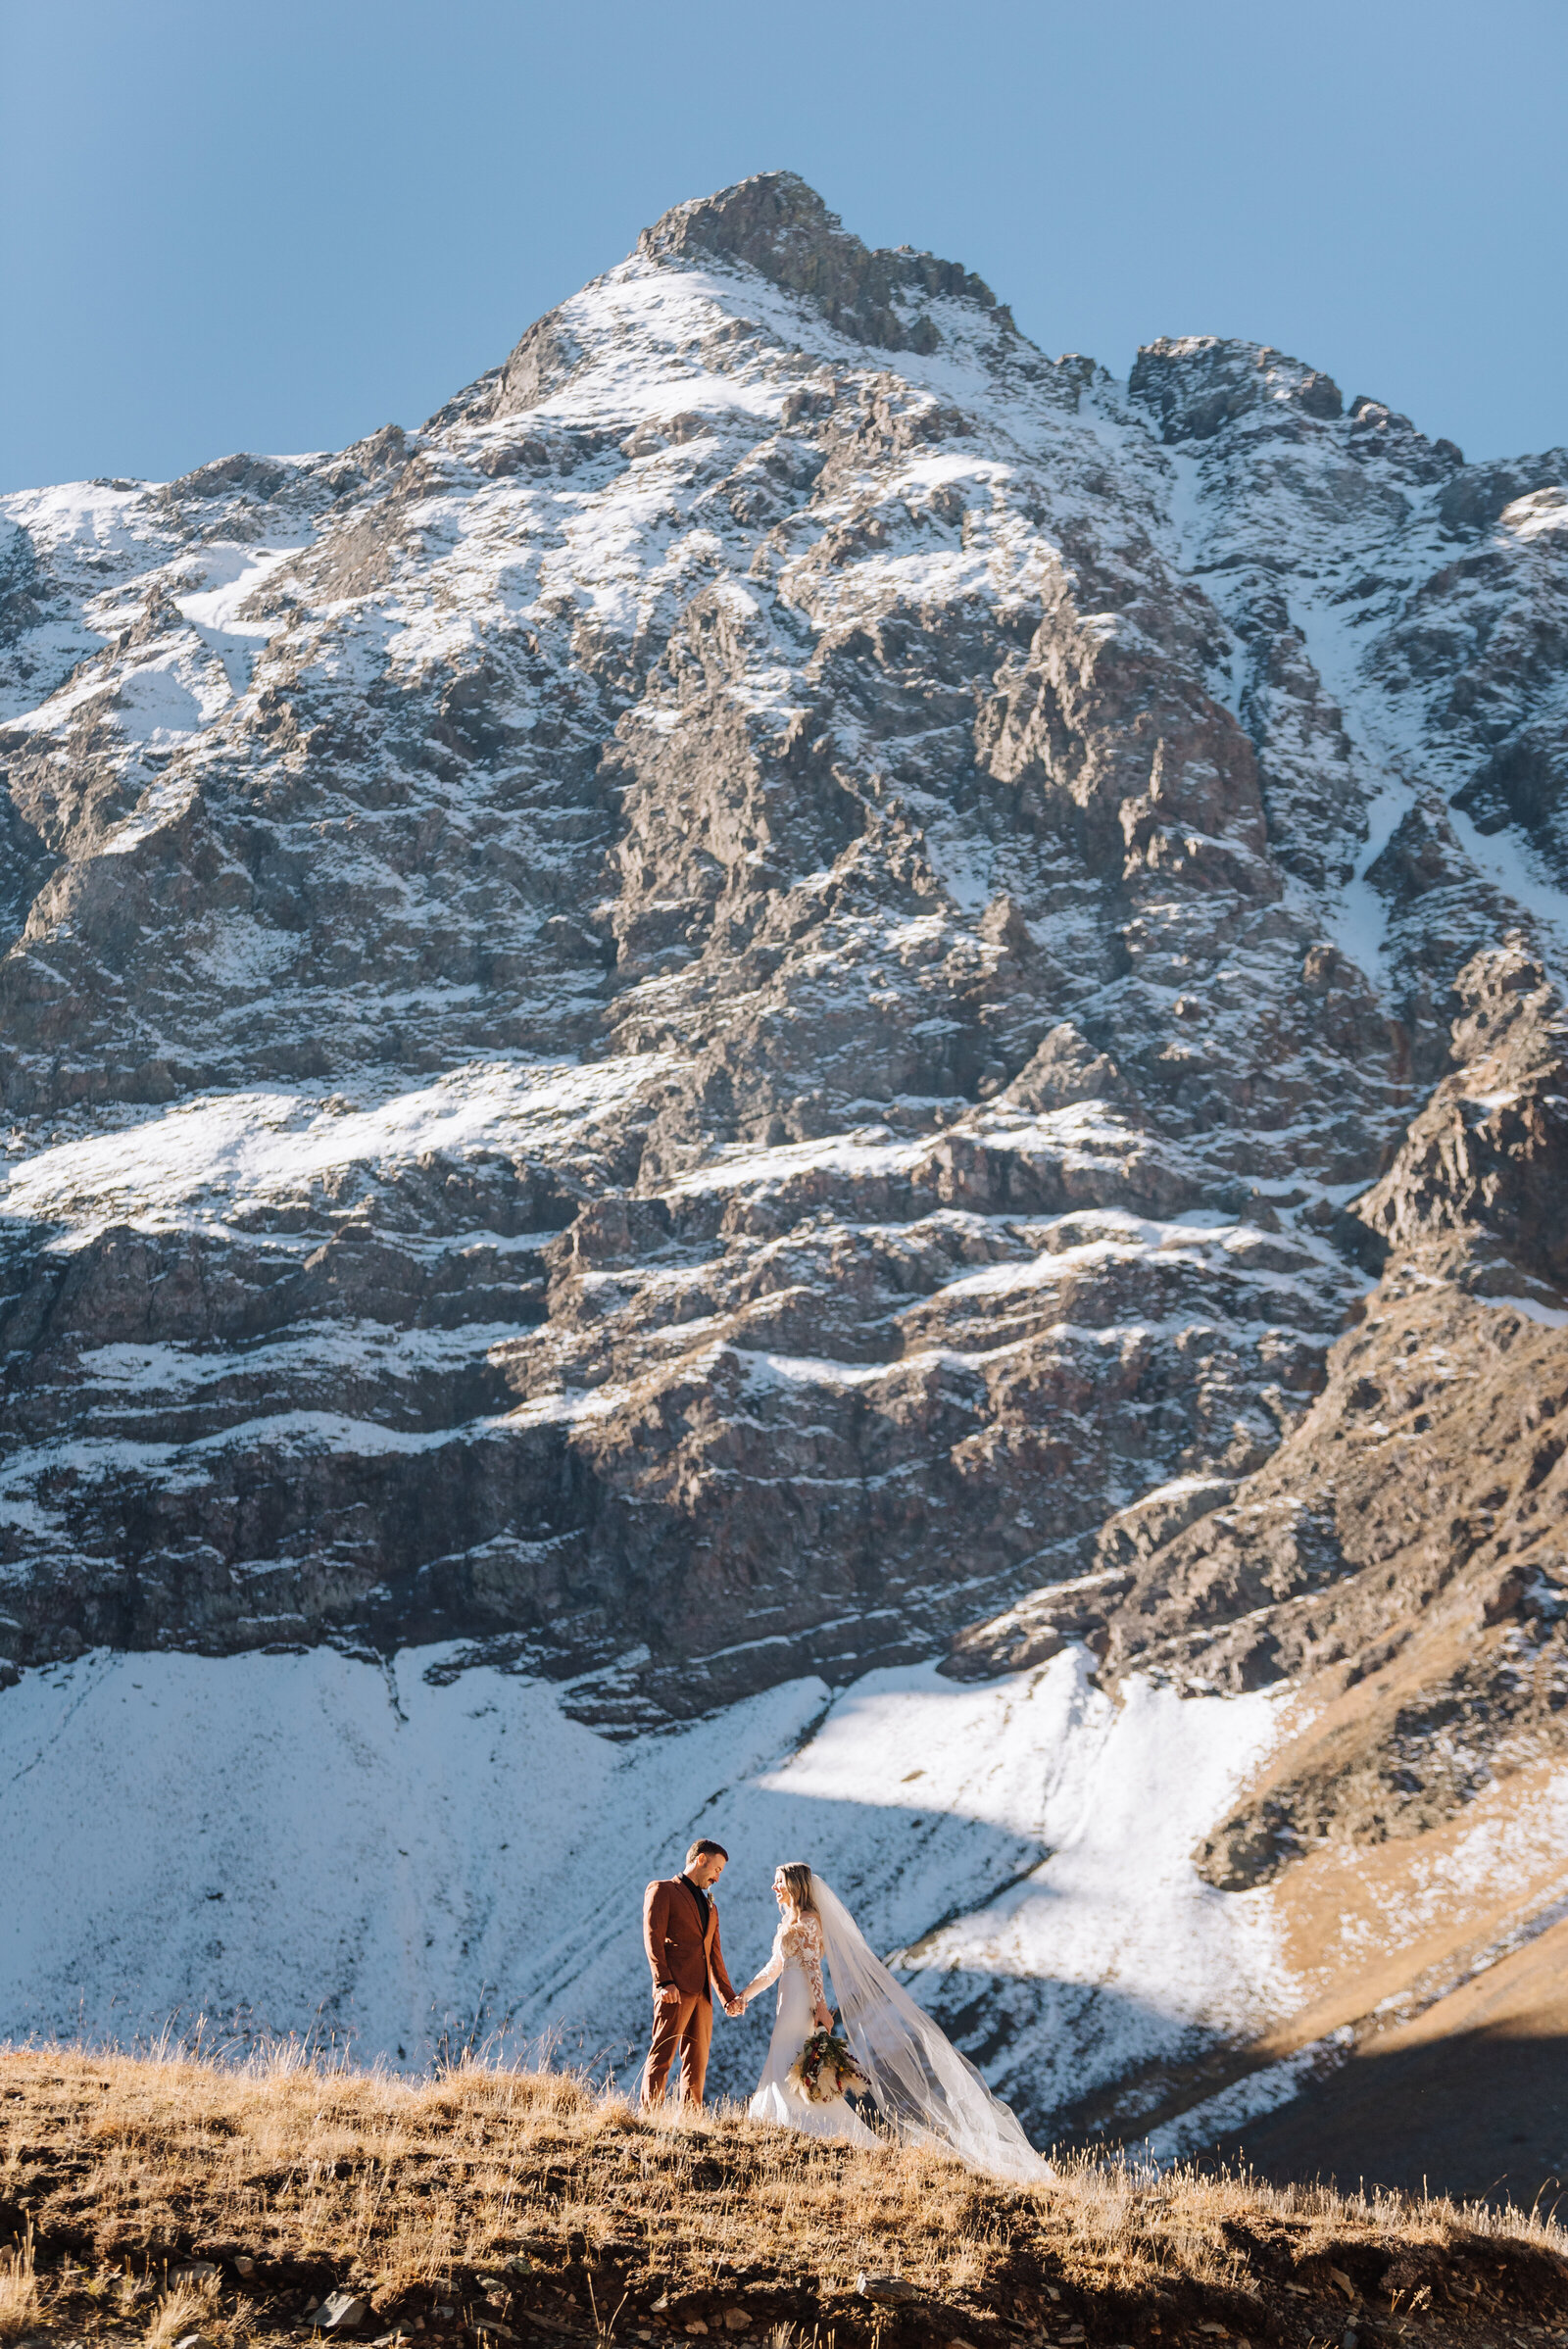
(304, 1842)
(714, 1022)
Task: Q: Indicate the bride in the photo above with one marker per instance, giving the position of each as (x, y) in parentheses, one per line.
(925, 2092)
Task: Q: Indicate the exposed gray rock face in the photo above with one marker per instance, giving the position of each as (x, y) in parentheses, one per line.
(699, 1022)
(1489, 1150)
(1197, 384)
(778, 227)
(1406, 1542)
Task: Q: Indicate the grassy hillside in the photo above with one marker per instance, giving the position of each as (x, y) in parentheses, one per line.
(517, 2208)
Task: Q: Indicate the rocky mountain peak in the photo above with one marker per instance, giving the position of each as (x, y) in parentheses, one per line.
(779, 227)
(1195, 384)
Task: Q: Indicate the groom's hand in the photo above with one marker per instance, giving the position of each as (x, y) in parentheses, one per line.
(668, 1996)
(734, 2007)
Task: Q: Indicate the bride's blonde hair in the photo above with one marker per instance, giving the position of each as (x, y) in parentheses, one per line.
(797, 1880)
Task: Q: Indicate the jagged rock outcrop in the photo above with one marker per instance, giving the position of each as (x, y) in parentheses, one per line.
(1489, 1150)
(778, 227)
(717, 1015)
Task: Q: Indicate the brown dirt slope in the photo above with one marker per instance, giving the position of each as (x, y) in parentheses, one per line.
(1474, 2092)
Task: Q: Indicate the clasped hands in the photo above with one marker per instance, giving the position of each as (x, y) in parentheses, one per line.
(669, 1995)
(736, 2007)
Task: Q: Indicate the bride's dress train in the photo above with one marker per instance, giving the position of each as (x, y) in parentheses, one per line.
(796, 1965)
(925, 2093)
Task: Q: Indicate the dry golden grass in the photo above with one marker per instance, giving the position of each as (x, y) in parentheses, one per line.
(632, 2227)
(20, 2297)
(185, 2309)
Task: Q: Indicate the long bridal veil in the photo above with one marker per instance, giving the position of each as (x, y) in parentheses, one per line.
(928, 2091)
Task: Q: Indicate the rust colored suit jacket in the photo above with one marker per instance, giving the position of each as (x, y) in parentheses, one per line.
(682, 1955)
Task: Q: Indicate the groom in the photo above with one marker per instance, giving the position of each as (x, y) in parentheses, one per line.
(680, 1933)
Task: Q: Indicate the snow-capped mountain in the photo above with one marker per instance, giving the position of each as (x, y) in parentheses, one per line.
(806, 1043)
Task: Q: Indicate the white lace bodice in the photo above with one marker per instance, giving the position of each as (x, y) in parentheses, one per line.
(799, 1943)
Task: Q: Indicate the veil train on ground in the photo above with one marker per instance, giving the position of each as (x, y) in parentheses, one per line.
(922, 2086)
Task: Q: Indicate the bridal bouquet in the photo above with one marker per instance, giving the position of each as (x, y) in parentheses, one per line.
(824, 2070)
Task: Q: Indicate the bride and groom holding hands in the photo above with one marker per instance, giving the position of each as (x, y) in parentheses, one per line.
(922, 2090)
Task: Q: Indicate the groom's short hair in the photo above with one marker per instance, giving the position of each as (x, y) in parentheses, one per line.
(703, 1850)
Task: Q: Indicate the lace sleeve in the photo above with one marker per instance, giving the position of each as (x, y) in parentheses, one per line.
(803, 1943)
(772, 1970)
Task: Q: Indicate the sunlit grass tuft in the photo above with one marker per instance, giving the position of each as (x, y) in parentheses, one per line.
(21, 2301)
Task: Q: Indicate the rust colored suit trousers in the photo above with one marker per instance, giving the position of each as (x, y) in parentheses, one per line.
(686, 2025)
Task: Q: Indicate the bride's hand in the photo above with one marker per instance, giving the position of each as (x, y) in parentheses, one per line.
(821, 2017)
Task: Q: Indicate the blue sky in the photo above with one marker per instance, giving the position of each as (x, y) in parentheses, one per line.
(278, 226)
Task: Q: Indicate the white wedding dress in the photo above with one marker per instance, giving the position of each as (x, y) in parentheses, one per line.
(796, 1965)
(923, 2090)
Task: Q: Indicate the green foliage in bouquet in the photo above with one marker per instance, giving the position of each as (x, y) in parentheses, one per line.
(824, 2070)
